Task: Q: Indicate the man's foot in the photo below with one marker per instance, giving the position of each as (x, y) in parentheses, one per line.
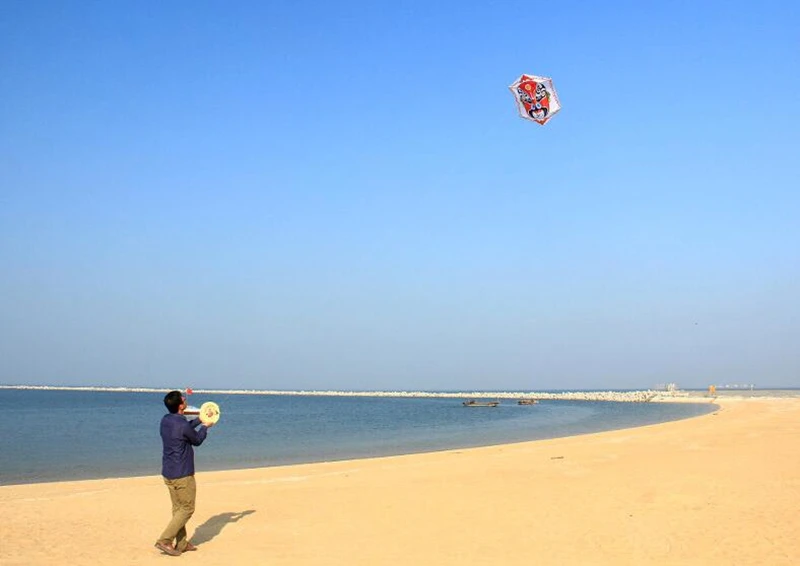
(168, 549)
(189, 547)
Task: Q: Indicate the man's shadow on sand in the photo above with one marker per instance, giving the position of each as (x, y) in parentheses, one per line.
(214, 525)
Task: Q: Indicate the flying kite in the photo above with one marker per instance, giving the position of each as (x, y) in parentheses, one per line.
(536, 98)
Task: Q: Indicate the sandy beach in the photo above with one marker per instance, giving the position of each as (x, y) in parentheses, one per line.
(718, 489)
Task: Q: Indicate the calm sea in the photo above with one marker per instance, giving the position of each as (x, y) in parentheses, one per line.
(65, 435)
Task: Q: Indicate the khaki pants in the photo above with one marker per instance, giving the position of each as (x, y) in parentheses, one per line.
(182, 492)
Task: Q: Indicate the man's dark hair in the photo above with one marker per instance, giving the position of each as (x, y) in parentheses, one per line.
(173, 401)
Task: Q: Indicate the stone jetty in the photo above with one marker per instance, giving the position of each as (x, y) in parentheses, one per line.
(642, 396)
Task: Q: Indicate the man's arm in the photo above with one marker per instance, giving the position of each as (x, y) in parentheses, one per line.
(196, 437)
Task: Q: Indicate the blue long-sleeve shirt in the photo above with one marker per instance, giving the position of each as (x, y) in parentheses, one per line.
(178, 436)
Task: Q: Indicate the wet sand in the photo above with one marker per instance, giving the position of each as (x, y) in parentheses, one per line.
(723, 488)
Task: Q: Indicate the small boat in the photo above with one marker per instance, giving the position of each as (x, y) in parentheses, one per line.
(474, 403)
(527, 402)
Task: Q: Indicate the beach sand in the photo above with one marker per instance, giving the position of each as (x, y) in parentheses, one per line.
(719, 489)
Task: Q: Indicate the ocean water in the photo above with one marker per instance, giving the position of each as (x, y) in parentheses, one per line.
(64, 435)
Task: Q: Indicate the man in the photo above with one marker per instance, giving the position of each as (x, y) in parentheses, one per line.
(177, 466)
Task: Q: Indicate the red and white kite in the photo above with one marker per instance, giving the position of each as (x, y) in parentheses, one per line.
(536, 98)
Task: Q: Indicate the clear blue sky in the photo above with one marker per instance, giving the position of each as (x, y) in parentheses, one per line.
(340, 194)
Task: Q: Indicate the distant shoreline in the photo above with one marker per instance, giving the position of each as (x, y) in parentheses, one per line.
(619, 396)
(638, 396)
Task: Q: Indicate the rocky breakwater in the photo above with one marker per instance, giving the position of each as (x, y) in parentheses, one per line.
(616, 396)
(643, 396)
